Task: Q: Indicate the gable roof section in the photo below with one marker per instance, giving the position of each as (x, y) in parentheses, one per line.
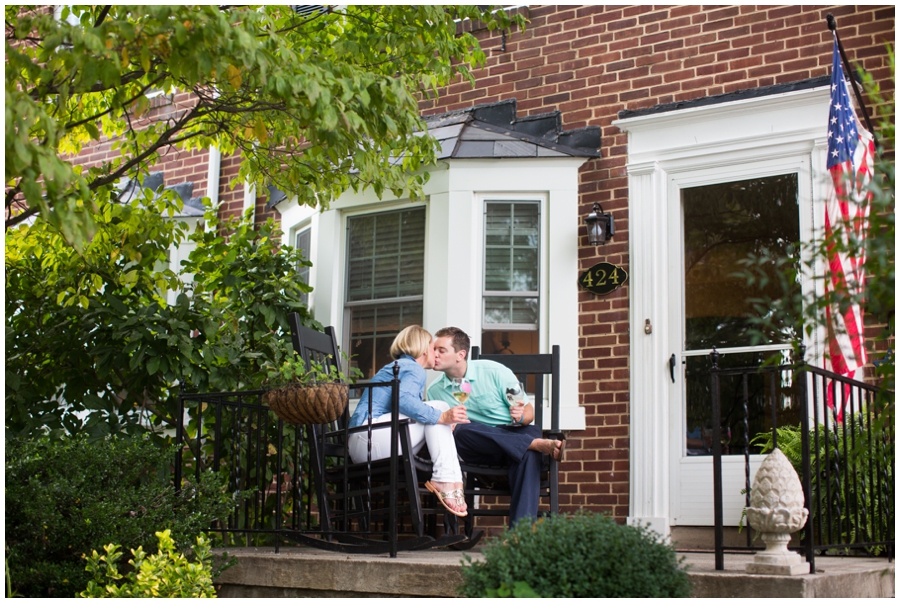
(494, 131)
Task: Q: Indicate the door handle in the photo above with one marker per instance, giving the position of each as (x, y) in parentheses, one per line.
(672, 362)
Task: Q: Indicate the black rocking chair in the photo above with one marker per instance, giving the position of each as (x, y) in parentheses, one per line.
(481, 480)
(360, 505)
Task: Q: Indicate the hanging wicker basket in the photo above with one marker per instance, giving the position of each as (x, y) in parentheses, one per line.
(308, 404)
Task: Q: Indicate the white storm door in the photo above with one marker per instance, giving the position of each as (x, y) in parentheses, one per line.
(719, 217)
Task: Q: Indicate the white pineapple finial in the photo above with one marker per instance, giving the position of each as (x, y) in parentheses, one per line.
(776, 509)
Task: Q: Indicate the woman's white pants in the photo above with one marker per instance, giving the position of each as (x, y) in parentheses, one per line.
(439, 438)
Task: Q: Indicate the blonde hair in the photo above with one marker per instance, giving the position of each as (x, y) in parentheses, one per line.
(413, 340)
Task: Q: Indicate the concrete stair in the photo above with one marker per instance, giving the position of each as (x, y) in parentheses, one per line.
(308, 572)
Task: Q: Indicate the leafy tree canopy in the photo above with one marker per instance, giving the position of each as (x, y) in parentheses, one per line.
(314, 104)
(91, 344)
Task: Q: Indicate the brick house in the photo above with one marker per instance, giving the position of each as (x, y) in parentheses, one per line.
(648, 111)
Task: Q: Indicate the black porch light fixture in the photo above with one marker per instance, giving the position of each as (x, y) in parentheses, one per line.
(600, 226)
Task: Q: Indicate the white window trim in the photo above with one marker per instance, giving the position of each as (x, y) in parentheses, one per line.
(666, 150)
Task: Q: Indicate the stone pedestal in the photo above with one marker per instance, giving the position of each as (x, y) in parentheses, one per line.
(776, 509)
(777, 560)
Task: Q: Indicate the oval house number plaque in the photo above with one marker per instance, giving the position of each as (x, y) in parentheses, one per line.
(603, 278)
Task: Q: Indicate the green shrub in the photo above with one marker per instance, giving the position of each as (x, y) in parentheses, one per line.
(165, 574)
(68, 497)
(581, 555)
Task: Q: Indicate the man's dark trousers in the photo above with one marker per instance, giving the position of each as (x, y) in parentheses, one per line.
(482, 444)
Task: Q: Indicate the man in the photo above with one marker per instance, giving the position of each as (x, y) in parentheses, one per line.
(497, 434)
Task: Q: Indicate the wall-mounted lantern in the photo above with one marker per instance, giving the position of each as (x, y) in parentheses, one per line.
(600, 226)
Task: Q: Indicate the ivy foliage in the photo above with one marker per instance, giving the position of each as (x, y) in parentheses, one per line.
(93, 346)
(314, 104)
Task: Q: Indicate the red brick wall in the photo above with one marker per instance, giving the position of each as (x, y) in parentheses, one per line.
(178, 166)
(590, 62)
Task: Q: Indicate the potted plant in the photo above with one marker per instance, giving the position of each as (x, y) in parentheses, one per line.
(301, 394)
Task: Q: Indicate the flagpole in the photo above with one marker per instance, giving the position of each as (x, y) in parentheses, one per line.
(832, 25)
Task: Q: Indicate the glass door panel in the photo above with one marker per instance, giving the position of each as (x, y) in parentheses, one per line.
(741, 397)
(723, 225)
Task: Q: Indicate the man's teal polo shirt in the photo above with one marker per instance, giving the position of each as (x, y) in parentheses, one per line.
(487, 403)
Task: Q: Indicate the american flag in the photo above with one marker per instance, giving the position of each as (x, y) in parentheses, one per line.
(851, 157)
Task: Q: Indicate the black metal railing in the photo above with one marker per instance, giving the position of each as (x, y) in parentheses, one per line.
(236, 434)
(273, 472)
(843, 449)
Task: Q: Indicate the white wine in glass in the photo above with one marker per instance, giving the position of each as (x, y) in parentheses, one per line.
(461, 388)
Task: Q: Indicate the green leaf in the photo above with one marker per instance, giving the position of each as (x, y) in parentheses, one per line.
(92, 130)
(153, 365)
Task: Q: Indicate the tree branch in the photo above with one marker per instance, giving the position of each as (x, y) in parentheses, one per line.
(124, 105)
(102, 15)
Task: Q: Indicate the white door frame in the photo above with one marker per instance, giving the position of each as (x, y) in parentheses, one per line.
(665, 150)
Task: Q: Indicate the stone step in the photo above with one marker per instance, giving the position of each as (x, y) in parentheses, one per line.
(309, 572)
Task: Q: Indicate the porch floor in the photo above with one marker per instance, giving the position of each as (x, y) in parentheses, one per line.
(309, 572)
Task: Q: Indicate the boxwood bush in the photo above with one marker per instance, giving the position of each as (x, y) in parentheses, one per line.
(581, 555)
(66, 498)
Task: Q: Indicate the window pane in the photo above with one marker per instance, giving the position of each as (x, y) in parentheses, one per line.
(372, 330)
(511, 263)
(509, 342)
(525, 225)
(761, 390)
(386, 254)
(511, 310)
(302, 243)
(723, 224)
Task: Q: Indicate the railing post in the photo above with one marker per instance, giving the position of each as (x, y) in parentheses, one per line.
(717, 460)
(395, 429)
(278, 479)
(745, 382)
(555, 432)
(179, 439)
(800, 377)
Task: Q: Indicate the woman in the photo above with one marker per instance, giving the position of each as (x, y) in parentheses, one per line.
(413, 350)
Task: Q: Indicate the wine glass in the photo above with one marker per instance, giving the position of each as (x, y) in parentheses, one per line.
(516, 396)
(460, 388)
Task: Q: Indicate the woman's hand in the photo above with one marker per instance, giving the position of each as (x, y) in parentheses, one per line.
(457, 414)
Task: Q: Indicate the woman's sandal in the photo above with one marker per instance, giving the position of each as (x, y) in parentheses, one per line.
(455, 496)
